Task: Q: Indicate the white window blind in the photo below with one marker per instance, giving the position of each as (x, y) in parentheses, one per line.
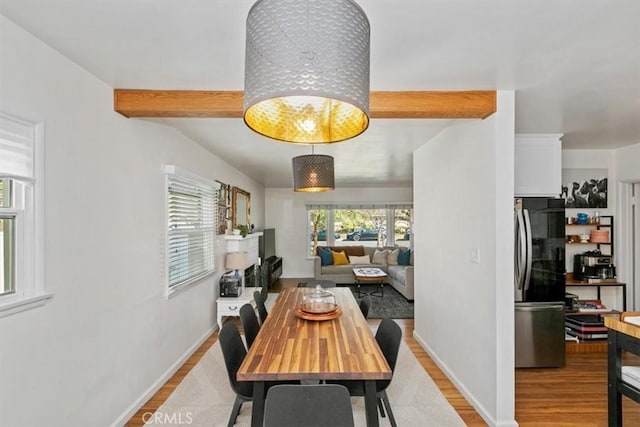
(191, 227)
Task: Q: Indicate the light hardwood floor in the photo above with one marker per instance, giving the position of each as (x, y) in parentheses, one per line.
(571, 396)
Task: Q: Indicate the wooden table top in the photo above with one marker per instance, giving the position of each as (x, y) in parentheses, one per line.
(621, 326)
(289, 348)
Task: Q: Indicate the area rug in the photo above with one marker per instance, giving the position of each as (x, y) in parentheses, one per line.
(204, 397)
(392, 306)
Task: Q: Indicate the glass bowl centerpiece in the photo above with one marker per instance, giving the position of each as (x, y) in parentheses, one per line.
(318, 301)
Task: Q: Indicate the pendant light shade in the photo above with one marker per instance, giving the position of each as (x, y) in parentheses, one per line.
(313, 173)
(307, 70)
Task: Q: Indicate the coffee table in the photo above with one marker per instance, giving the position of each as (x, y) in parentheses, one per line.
(369, 275)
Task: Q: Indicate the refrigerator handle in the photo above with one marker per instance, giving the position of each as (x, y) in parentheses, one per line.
(527, 273)
(520, 250)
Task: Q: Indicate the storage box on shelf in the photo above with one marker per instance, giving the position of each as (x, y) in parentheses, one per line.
(593, 233)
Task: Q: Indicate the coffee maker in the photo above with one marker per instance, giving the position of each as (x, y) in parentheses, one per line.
(593, 265)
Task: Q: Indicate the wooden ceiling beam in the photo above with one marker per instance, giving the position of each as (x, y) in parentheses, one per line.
(228, 104)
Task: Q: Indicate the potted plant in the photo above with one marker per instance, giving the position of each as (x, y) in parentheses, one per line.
(244, 230)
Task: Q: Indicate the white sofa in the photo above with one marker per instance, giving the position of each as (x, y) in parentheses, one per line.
(400, 276)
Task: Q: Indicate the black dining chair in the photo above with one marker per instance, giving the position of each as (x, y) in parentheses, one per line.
(318, 405)
(323, 283)
(260, 305)
(234, 352)
(250, 324)
(388, 337)
(365, 305)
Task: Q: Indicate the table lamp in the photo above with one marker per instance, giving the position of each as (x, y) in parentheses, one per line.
(237, 261)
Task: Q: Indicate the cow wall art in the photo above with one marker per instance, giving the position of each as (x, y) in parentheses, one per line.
(584, 188)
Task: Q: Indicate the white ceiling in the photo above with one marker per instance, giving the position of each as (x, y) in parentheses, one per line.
(575, 67)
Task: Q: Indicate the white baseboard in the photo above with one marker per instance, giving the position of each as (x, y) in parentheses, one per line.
(157, 385)
(461, 388)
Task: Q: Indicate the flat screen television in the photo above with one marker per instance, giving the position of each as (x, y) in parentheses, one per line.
(267, 244)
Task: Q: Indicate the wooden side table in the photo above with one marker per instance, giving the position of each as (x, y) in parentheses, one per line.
(231, 306)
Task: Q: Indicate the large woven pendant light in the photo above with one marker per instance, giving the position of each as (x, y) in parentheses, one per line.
(307, 70)
(313, 173)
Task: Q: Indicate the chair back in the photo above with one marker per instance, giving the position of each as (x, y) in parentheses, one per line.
(234, 352)
(388, 336)
(365, 305)
(323, 283)
(260, 305)
(317, 405)
(250, 324)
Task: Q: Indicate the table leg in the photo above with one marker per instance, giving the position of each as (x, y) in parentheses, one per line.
(257, 413)
(370, 403)
(613, 376)
(219, 322)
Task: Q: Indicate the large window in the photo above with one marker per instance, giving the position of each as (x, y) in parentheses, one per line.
(368, 225)
(21, 217)
(191, 227)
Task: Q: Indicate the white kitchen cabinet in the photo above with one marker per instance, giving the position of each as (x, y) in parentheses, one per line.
(538, 165)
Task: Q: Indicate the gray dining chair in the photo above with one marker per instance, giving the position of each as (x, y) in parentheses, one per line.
(388, 337)
(323, 283)
(318, 405)
(250, 324)
(365, 305)
(260, 306)
(234, 352)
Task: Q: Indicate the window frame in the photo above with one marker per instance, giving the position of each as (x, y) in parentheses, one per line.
(330, 209)
(28, 207)
(207, 231)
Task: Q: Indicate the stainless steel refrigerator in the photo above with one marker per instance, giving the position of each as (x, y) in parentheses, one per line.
(539, 282)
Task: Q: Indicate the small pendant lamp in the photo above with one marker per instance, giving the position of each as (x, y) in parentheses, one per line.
(307, 70)
(313, 173)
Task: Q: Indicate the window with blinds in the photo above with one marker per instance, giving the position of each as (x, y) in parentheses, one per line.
(191, 227)
(22, 278)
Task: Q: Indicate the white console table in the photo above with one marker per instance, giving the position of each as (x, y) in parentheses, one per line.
(231, 306)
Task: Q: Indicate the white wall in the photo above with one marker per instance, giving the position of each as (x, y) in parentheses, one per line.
(627, 163)
(109, 333)
(285, 210)
(463, 200)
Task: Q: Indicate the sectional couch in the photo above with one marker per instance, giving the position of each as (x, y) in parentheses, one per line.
(399, 276)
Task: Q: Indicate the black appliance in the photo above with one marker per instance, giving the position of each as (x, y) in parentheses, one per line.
(539, 249)
(230, 285)
(539, 281)
(593, 265)
(267, 244)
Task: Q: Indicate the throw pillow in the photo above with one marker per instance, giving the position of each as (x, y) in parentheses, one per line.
(359, 259)
(339, 258)
(404, 257)
(392, 257)
(326, 258)
(379, 257)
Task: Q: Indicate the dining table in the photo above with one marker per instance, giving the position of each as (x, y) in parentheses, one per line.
(289, 347)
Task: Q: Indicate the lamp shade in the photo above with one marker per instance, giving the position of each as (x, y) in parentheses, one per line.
(307, 70)
(313, 173)
(236, 261)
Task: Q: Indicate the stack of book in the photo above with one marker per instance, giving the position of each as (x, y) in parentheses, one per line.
(591, 306)
(586, 327)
